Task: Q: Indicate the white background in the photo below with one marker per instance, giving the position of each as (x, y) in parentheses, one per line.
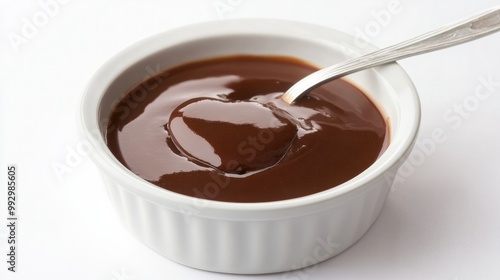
(441, 222)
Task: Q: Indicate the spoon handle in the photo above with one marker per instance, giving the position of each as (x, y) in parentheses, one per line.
(481, 25)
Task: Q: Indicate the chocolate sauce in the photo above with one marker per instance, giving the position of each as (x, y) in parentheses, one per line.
(217, 129)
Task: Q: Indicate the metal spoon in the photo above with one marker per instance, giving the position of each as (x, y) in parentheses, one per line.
(481, 25)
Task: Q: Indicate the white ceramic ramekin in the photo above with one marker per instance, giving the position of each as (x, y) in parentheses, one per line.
(249, 238)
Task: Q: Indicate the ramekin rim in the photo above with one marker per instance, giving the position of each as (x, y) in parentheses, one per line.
(159, 194)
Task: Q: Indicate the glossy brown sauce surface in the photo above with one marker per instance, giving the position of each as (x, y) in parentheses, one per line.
(217, 129)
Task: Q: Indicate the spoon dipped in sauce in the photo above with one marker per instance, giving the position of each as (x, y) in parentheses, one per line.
(480, 25)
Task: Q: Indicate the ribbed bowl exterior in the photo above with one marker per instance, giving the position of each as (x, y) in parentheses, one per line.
(249, 247)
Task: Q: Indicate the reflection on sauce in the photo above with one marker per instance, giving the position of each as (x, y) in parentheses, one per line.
(217, 129)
